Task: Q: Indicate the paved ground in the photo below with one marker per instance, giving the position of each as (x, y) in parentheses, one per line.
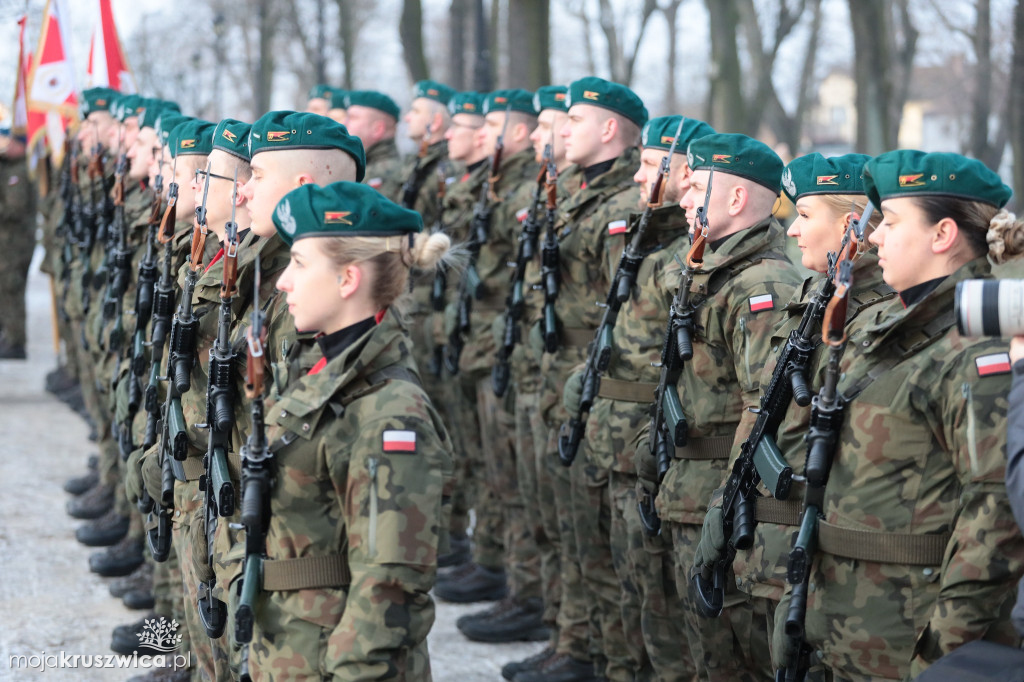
(49, 601)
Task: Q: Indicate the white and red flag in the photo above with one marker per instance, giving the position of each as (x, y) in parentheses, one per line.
(19, 115)
(108, 67)
(52, 98)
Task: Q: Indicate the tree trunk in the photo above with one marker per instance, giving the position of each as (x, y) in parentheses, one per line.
(671, 12)
(981, 103)
(904, 52)
(528, 39)
(410, 30)
(266, 24)
(1016, 107)
(457, 14)
(347, 32)
(871, 22)
(726, 107)
(482, 72)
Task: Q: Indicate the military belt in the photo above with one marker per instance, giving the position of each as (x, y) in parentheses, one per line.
(577, 337)
(706, 448)
(883, 548)
(193, 468)
(630, 391)
(784, 512)
(306, 573)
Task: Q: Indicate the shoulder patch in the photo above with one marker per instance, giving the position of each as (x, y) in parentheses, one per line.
(399, 441)
(375, 182)
(616, 227)
(522, 213)
(996, 363)
(762, 302)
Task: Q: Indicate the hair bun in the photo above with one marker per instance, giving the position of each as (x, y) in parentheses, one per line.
(1005, 237)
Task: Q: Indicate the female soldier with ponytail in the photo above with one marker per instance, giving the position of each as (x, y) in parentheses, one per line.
(363, 463)
(918, 552)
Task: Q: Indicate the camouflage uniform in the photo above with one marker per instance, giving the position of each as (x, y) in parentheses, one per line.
(921, 452)
(496, 416)
(638, 573)
(17, 241)
(384, 168)
(340, 494)
(716, 386)
(584, 211)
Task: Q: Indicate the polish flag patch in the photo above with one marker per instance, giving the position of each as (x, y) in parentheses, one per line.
(997, 363)
(522, 213)
(399, 441)
(375, 182)
(617, 227)
(759, 303)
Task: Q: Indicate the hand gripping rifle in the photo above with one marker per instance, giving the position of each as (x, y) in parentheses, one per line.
(181, 357)
(827, 411)
(412, 184)
(515, 303)
(92, 219)
(760, 458)
(119, 261)
(440, 283)
(621, 289)
(218, 493)
(257, 476)
(470, 286)
(668, 429)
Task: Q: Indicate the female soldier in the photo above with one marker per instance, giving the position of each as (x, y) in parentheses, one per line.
(362, 459)
(918, 551)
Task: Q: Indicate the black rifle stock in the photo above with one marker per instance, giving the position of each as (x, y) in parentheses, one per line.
(550, 262)
(440, 284)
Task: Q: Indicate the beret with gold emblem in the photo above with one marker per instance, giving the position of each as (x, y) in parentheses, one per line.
(815, 174)
(232, 136)
(908, 172)
(661, 131)
(550, 97)
(737, 155)
(609, 95)
(279, 130)
(439, 92)
(193, 137)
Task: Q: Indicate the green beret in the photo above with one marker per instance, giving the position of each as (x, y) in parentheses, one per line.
(814, 174)
(193, 137)
(232, 136)
(439, 92)
(341, 209)
(97, 99)
(471, 103)
(659, 133)
(339, 99)
(550, 97)
(602, 93)
(908, 172)
(277, 130)
(153, 109)
(374, 100)
(737, 155)
(320, 92)
(126, 106)
(166, 124)
(515, 99)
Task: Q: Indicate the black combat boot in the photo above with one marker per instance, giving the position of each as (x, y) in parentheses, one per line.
(60, 380)
(461, 552)
(163, 675)
(510, 670)
(104, 531)
(472, 582)
(121, 559)
(127, 639)
(93, 504)
(82, 484)
(559, 668)
(140, 578)
(520, 620)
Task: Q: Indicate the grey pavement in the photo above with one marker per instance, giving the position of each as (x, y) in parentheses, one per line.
(49, 601)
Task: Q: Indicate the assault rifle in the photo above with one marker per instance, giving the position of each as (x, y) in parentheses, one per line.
(760, 458)
(470, 286)
(257, 476)
(440, 283)
(412, 184)
(550, 262)
(119, 260)
(668, 429)
(93, 217)
(621, 289)
(218, 493)
(514, 304)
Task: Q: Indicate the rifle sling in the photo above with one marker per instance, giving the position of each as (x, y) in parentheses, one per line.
(783, 512)
(628, 391)
(306, 573)
(885, 548)
(706, 448)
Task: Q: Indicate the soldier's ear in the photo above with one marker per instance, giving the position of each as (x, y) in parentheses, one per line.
(609, 129)
(304, 179)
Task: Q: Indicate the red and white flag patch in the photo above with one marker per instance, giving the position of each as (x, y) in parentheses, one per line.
(399, 441)
(762, 302)
(997, 363)
(375, 182)
(522, 213)
(616, 227)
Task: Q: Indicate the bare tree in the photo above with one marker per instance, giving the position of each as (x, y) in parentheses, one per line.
(671, 11)
(457, 43)
(410, 30)
(578, 8)
(266, 22)
(726, 108)
(529, 43)
(1016, 105)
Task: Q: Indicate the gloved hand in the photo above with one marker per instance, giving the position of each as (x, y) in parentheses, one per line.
(646, 464)
(152, 472)
(133, 483)
(572, 392)
(712, 539)
(451, 319)
(536, 341)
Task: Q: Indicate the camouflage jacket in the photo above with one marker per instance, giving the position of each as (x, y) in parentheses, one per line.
(511, 192)
(526, 370)
(762, 569)
(921, 452)
(363, 465)
(638, 335)
(734, 324)
(384, 168)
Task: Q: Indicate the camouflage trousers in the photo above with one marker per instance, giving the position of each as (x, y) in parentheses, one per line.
(170, 602)
(91, 396)
(644, 567)
(735, 647)
(17, 241)
(537, 489)
(211, 655)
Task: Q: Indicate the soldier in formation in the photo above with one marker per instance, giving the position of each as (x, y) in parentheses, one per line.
(311, 364)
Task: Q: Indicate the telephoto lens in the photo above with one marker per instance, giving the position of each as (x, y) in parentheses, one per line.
(988, 307)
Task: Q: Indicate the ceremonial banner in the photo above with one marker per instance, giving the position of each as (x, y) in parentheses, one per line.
(108, 66)
(52, 97)
(19, 113)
